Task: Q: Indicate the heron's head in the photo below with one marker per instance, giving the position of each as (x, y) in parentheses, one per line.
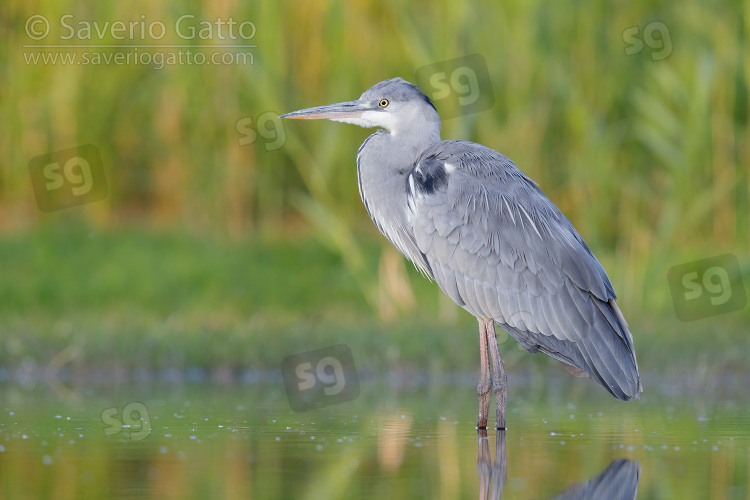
(395, 105)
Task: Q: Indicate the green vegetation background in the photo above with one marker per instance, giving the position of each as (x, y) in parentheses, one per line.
(212, 252)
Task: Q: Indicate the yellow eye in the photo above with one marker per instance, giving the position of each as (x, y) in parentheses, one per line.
(383, 103)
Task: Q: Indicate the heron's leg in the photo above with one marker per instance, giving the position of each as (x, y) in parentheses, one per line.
(485, 383)
(499, 379)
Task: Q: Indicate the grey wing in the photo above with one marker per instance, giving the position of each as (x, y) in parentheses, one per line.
(500, 249)
(619, 481)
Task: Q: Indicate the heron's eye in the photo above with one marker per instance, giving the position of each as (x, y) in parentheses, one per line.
(383, 103)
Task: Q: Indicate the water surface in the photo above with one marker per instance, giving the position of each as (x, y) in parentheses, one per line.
(210, 440)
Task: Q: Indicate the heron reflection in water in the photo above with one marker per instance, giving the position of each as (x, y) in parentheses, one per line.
(619, 481)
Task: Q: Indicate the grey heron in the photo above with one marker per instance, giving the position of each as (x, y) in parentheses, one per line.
(470, 220)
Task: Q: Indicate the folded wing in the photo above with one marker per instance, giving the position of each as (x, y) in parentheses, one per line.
(499, 248)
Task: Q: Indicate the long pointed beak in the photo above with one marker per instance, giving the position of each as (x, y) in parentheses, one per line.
(349, 109)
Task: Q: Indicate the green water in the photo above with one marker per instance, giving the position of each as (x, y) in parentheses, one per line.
(396, 440)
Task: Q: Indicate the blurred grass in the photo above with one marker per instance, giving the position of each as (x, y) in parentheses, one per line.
(203, 237)
(76, 301)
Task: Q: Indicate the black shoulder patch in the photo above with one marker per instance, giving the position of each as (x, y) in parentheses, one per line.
(429, 175)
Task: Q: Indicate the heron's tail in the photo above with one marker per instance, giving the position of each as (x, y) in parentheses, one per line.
(608, 353)
(604, 350)
(631, 348)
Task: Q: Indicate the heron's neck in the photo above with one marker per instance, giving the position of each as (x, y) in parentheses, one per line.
(383, 165)
(388, 156)
(402, 147)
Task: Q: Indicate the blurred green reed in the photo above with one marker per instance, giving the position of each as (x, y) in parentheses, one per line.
(648, 158)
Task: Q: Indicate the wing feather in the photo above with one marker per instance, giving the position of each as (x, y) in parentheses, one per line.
(470, 296)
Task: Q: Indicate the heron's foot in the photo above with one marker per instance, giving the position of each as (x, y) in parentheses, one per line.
(483, 390)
